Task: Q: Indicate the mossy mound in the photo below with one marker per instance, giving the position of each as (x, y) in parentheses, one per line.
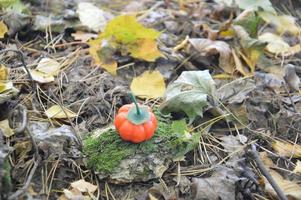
(124, 161)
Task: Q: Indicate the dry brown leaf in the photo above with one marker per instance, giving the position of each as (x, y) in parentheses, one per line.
(84, 186)
(238, 64)
(209, 47)
(286, 149)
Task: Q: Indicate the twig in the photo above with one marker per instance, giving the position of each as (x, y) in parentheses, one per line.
(22, 190)
(23, 110)
(266, 173)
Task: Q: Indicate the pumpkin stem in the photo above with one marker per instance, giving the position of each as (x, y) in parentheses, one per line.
(138, 111)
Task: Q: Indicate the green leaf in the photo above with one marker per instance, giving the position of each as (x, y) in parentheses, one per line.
(189, 93)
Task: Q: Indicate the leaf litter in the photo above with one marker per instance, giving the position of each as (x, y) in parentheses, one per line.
(225, 74)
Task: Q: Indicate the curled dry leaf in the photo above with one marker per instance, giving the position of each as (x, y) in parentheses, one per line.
(150, 84)
(58, 112)
(209, 47)
(287, 149)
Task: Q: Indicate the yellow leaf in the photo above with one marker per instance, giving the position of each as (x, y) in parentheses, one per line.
(298, 167)
(145, 49)
(6, 130)
(56, 112)
(104, 60)
(286, 149)
(283, 23)
(222, 76)
(3, 72)
(125, 29)
(150, 84)
(3, 29)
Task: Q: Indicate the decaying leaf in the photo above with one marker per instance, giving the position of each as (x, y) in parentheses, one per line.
(57, 112)
(189, 93)
(287, 149)
(220, 186)
(150, 84)
(3, 29)
(84, 186)
(6, 130)
(283, 23)
(46, 70)
(210, 47)
(92, 16)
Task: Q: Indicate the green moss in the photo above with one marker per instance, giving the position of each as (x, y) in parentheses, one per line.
(6, 179)
(105, 152)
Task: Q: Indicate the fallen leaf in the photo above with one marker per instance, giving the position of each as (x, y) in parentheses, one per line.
(150, 84)
(189, 93)
(291, 77)
(3, 72)
(92, 17)
(102, 54)
(250, 4)
(4, 86)
(298, 167)
(84, 186)
(83, 36)
(145, 49)
(6, 130)
(252, 49)
(41, 77)
(125, 29)
(283, 23)
(3, 29)
(275, 43)
(56, 112)
(219, 186)
(238, 64)
(250, 20)
(49, 66)
(291, 189)
(46, 70)
(287, 149)
(210, 47)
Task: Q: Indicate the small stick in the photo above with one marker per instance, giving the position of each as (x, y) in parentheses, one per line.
(266, 173)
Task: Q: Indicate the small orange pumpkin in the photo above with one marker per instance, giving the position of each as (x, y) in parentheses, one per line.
(135, 123)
